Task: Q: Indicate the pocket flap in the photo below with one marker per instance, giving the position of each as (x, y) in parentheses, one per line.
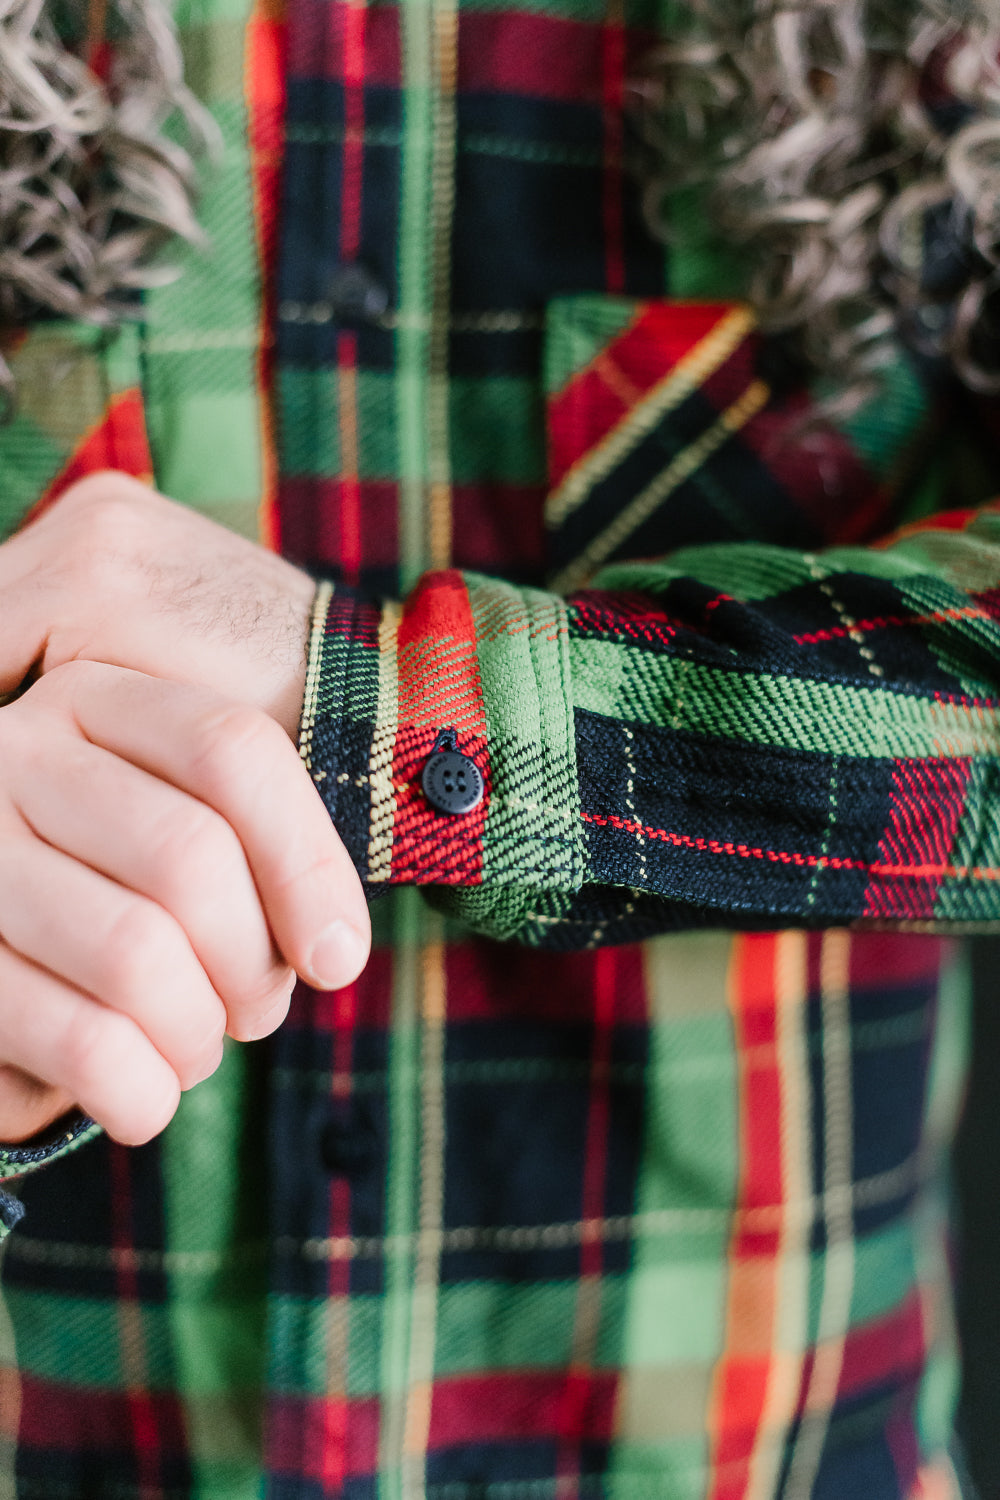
(673, 423)
(79, 409)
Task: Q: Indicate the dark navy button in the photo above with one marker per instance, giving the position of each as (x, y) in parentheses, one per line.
(452, 782)
(347, 1139)
(353, 292)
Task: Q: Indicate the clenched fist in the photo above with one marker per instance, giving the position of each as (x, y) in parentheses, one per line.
(165, 864)
(165, 861)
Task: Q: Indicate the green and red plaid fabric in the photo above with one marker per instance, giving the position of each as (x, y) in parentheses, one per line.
(738, 729)
(532, 1212)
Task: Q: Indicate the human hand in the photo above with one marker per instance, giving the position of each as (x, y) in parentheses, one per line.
(165, 863)
(116, 573)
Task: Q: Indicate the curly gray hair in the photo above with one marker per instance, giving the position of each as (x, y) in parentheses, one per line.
(851, 148)
(91, 184)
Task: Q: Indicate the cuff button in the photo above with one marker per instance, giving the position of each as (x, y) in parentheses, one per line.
(452, 782)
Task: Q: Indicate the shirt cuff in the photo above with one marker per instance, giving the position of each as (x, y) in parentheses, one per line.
(64, 1136)
(475, 655)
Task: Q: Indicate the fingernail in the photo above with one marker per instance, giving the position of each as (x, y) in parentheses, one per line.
(338, 956)
(208, 1068)
(270, 1020)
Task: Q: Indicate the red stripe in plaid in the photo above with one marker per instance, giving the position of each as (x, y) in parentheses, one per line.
(539, 986)
(355, 72)
(877, 956)
(942, 520)
(717, 846)
(544, 55)
(928, 797)
(265, 89)
(879, 1352)
(76, 1419)
(321, 46)
(812, 476)
(299, 1422)
(140, 1403)
(328, 1453)
(634, 616)
(894, 622)
(498, 520)
(374, 990)
(989, 602)
(517, 1407)
(320, 517)
(931, 872)
(352, 31)
(602, 395)
(437, 627)
(118, 441)
(744, 1371)
(342, 1010)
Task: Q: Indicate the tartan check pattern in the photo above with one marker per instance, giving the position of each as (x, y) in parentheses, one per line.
(733, 730)
(803, 736)
(502, 1222)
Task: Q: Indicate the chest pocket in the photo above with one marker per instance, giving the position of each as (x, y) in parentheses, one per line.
(672, 423)
(79, 409)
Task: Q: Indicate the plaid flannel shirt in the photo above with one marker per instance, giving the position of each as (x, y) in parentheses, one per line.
(535, 1209)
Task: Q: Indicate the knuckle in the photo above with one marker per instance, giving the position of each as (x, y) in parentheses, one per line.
(101, 517)
(139, 941)
(93, 1044)
(103, 511)
(236, 742)
(117, 1076)
(96, 490)
(197, 846)
(145, 947)
(323, 869)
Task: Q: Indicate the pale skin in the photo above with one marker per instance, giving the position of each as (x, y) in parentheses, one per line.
(166, 864)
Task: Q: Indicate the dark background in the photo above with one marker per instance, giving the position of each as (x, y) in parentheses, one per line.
(977, 1180)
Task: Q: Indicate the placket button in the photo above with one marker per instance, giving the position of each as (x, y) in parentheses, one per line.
(452, 782)
(353, 292)
(347, 1138)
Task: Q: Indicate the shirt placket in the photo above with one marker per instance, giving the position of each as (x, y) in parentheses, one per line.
(357, 1097)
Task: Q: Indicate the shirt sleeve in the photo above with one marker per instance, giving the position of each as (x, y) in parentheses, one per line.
(64, 1136)
(736, 735)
